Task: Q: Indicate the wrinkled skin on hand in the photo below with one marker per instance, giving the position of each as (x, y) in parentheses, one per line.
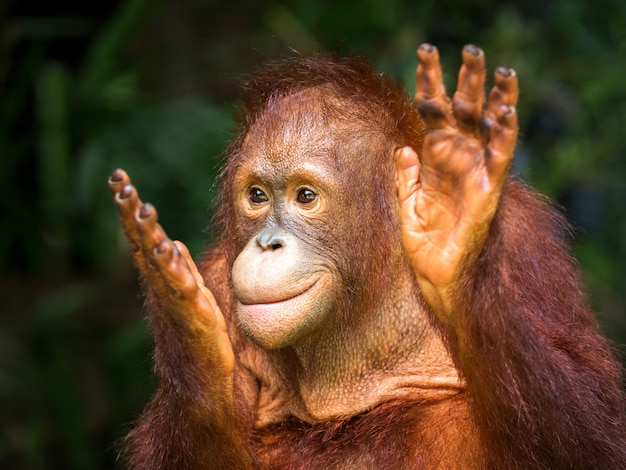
(449, 198)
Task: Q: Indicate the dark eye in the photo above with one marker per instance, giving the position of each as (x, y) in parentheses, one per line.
(306, 196)
(257, 196)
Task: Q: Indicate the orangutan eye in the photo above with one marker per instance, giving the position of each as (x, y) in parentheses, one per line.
(306, 196)
(257, 196)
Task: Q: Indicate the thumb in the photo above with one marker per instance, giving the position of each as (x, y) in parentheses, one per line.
(407, 177)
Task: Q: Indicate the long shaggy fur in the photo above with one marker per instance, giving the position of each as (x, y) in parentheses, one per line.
(543, 388)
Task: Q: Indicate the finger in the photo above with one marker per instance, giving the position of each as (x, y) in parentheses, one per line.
(505, 91)
(502, 138)
(186, 256)
(193, 305)
(151, 234)
(430, 97)
(469, 98)
(117, 181)
(127, 202)
(183, 252)
(407, 180)
(174, 270)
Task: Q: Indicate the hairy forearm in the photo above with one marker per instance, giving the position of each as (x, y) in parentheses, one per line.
(528, 345)
(191, 422)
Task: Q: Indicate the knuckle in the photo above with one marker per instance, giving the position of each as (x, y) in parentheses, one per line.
(507, 116)
(431, 110)
(484, 127)
(188, 286)
(465, 111)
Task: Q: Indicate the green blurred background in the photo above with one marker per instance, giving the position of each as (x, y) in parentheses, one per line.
(151, 85)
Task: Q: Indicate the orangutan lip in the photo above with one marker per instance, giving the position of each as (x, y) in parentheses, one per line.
(287, 299)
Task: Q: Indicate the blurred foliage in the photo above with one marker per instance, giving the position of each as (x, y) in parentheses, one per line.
(150, 86)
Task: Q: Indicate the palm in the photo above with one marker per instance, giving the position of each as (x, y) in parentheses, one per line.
(449, 198)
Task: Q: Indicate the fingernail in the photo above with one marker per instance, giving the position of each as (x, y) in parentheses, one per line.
(126, 191)
(116, 176)
(162, 247)
(505, 72)
(474, 50)
(507, 110)
(145, 211)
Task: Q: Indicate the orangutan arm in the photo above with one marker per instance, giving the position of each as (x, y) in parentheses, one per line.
(493, 264)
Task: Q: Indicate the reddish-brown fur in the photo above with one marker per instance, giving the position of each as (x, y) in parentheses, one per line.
(543, 388)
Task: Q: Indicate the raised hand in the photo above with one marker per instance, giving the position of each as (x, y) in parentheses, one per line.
(449, 197)
(186, 308)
